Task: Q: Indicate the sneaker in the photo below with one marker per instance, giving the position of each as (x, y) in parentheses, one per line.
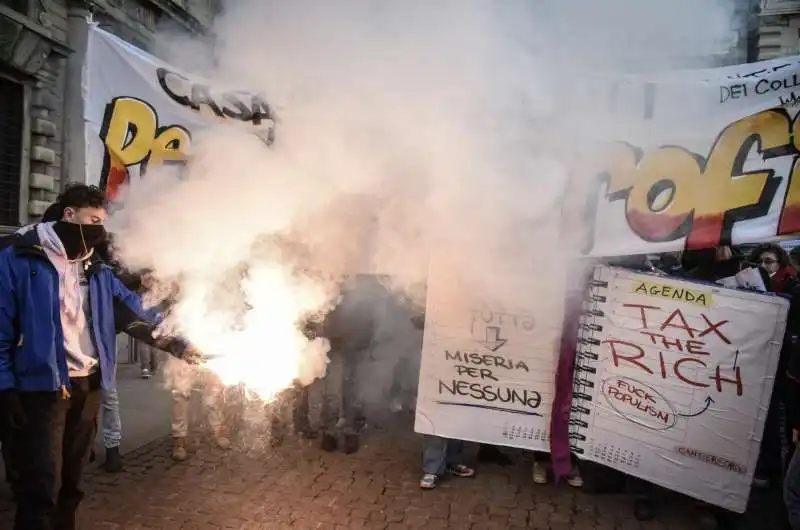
(539, 473)
(428, 481)
(461, 471)
(146, 373)
(113, 463)
(179, 449)
(575, 479)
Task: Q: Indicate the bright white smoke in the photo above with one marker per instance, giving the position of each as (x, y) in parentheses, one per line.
(408, 130)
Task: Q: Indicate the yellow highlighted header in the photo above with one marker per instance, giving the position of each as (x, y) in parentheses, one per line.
(680, 294)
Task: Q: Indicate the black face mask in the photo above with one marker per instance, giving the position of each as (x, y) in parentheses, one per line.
(78, 239)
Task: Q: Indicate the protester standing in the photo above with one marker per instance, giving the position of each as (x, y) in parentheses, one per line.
(781, 278)
(183, 379)
(58, 304)
(349, 328)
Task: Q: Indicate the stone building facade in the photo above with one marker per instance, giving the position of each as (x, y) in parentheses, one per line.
(42, 50)
(778, 29)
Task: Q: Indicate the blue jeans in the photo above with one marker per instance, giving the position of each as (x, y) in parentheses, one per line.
(112, 424)
(791, 490)
(438, 453)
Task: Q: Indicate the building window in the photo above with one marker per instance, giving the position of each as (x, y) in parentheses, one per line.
(12, 116)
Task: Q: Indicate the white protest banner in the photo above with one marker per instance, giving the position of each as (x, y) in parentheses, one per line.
(673, 381)
(489, 359)
(140, 112)
(701, 158)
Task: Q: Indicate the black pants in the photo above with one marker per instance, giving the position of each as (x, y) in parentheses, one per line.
(300, 407)
(347, 405)
(297, 397)
(8, 462)
(770, 460)
(51, 452)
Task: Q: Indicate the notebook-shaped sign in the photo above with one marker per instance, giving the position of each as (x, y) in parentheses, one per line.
(673, 380)
(489, 355)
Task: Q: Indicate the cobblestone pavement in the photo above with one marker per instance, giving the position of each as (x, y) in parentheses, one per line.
(298, 486)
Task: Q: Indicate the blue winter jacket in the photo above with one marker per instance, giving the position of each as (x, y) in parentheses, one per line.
(32, 355)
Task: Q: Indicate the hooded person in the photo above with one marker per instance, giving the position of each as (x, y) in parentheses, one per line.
(59, 311)
(53, 213)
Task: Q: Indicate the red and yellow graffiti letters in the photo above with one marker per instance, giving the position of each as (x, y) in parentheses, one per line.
(132, 135)
(790, 215)
(727, 192)
(671, 192)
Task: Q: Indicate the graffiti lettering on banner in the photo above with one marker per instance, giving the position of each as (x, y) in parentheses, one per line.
(690, 194)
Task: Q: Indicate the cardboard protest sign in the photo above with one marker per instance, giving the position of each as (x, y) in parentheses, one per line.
(488, 362)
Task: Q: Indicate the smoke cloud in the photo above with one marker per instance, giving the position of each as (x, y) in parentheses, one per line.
(408, 132)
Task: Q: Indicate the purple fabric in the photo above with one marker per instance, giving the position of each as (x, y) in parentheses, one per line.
(562, 402)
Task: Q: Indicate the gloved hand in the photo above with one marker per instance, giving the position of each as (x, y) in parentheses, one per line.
(12, 415)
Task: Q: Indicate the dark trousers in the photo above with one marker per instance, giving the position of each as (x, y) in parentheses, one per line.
(300, 407)
(791, 490)
(770, 462)
(8, 462)
(347, 404)
(297, 398)
(51, 452)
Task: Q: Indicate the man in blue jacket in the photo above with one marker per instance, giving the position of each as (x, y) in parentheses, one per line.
(59, 306)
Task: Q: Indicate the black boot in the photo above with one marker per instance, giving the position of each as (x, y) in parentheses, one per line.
(113, 463)
(329, 442)
(350, 444)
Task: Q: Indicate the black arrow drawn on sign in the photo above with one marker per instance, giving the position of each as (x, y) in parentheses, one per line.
(736, 359)
(708, 402)
(493, 342)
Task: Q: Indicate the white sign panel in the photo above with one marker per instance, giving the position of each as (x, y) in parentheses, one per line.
(489, 360)
(674, 380)
(140, 112)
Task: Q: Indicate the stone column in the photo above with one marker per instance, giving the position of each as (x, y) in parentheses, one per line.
(74, 166)
(46, 116)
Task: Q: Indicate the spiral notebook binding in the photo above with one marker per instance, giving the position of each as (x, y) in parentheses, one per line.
(589, 338)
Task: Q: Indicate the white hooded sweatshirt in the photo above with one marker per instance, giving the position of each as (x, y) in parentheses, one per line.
(73, 293)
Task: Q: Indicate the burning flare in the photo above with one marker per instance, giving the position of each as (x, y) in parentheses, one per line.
(262, 346)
